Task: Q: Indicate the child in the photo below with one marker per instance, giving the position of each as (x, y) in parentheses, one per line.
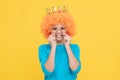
(60, 60)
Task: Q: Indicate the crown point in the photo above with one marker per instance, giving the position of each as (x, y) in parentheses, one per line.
(56, 9)
(63, 8)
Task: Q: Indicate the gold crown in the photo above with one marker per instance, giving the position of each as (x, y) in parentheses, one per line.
(56, 9)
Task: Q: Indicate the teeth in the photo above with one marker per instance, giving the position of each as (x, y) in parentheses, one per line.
(58, 35)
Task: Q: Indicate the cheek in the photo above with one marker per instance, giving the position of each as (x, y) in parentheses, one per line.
(64, 31)
(53, 31)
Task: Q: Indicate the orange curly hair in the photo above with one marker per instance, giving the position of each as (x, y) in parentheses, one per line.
(58, 17)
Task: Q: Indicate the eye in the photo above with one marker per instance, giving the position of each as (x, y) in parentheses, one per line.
(62, 28)
(54, 28)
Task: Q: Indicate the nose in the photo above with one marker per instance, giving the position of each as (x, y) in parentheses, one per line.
(58, 31)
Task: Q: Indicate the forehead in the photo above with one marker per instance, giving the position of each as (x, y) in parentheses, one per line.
(58, 25)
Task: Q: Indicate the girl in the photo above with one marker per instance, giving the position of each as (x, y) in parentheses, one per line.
(60, 60)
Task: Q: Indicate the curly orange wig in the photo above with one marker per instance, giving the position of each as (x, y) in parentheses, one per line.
(58, 17)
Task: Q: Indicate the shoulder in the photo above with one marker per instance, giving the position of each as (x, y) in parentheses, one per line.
(74, 46)
(76, 49)
(43, 46)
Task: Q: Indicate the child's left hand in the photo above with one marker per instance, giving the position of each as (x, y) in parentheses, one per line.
(67, 39)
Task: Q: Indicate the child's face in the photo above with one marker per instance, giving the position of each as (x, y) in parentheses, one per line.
(58, 30)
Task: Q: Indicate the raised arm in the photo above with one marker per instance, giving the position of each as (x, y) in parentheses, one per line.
(50, 62)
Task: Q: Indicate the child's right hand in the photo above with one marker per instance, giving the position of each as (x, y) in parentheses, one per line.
(52, 39)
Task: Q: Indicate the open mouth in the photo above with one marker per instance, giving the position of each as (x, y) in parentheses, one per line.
(59, 35)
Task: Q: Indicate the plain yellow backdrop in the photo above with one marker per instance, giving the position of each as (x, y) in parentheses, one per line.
(98, 35)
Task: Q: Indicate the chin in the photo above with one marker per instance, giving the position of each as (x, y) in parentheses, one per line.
(59, 40)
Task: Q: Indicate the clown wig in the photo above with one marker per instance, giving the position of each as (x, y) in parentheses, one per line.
(57, 17)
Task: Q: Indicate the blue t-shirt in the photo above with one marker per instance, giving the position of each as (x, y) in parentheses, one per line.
(62, 71)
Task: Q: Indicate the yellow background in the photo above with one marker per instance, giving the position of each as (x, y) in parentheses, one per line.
(98, 35)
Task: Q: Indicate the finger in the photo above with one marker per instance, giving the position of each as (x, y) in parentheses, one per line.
(53, 33)
(53, 36)
(67, 36)
(64, 35)
(49, 38)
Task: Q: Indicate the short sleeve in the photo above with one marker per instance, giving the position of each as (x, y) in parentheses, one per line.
(43, 56)
(76, 52)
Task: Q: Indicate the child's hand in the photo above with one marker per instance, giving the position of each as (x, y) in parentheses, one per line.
(67, 39)
(52, 39)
